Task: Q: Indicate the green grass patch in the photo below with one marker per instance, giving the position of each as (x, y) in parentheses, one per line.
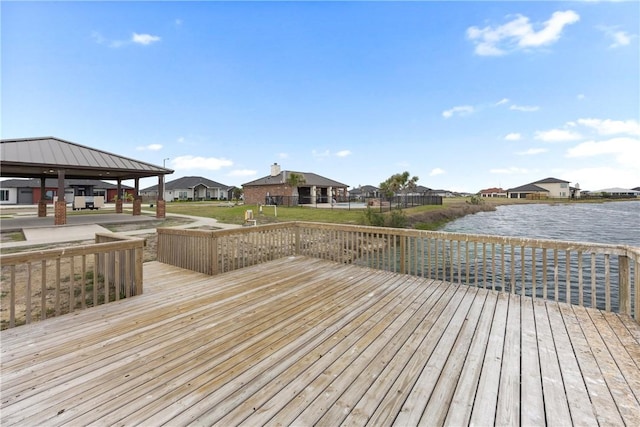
(235, 214)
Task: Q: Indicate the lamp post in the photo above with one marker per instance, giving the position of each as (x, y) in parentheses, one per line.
(164, 166)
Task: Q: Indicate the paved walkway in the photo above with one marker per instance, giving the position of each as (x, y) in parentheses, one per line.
(39, 231)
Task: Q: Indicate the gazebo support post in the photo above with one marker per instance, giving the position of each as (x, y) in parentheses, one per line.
(60, 209)
(119, 197)
(137, 199)
(42, 203)
(161, 209)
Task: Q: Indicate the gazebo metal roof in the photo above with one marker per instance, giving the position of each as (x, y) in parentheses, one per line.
(44, 156)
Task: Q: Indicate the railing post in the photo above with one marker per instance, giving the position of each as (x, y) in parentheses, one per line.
(624, 285)
(297, 239)
(214, 255)
(403, 250)
(138, 278)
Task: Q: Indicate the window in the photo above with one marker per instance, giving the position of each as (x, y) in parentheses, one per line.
(563, 185)
(4, 195)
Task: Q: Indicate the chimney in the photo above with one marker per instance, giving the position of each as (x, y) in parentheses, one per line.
(275, 169)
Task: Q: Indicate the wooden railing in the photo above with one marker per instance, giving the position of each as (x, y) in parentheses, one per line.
(40, 284)
(587, 274)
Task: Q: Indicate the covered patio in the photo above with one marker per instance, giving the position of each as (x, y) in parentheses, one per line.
(50, 157)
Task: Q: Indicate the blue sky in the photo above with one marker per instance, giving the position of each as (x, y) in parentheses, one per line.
(465, 95)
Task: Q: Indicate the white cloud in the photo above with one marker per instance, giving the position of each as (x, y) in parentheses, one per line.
(461, 110)
(612, 127)
(514, 136)
(320, 154)
(436, 172)
(519, 34)
(502, 101)
(510, 171)
(525, 108)
(600, 177)
(581, 97)
(150, 147)
(626, 150)
(618, 37)
(197, 162)
(144, 39)
(242, 173)
(181, 139)
(343, 153)
(283, 155)
(557, 135)
(533, 151)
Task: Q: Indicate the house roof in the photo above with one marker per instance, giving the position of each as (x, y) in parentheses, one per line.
(421, 189)
(551, 181)
(528, 188)
(53, 183)
(618, 190)
(188, 182)
(309, 178)
(492, 190)
(44, 156)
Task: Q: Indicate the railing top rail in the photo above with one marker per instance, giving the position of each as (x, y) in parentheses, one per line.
(486, 238)
(22, 257)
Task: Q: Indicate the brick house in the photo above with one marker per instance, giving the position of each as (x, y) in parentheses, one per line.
(274, 190)
(28, 192)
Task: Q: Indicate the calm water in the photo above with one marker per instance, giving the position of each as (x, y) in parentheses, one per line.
(611, 223)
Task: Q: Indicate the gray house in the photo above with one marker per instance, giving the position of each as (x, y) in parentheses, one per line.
(191, 188)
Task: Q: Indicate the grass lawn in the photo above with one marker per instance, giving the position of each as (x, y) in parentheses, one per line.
(235, 214)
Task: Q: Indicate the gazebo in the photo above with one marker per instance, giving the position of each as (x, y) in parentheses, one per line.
(50, 157)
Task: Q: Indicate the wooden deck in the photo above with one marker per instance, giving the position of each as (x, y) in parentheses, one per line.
(309, 342)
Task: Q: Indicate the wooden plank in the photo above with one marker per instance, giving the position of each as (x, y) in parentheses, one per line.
(164, 349)
(282, 364)
(601, 399)
(322, 383)
(393, 400)
(555, 398)
(483, 412)
(466, 387)
(621, 356)
(443, 392)
(532, 410)
(419, 398)
(593, 325)
(582, 412)
(508, 408)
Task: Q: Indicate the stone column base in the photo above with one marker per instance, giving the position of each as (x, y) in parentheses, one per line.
(42, 209)
(119, 204)
(60, 213)
(161, 210)
(137, 207)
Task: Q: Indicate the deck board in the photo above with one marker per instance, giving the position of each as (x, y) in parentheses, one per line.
(311, 342)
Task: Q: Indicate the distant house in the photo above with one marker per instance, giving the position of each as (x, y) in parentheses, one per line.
(618, 192)
(273, 189)
(28, 191)
(493, 192)
(545, 188)
(365, 191)
(420, 190)
(191, 188)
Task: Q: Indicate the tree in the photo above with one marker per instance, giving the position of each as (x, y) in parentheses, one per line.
(237, 192)
(398, 183)
(294, 180)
